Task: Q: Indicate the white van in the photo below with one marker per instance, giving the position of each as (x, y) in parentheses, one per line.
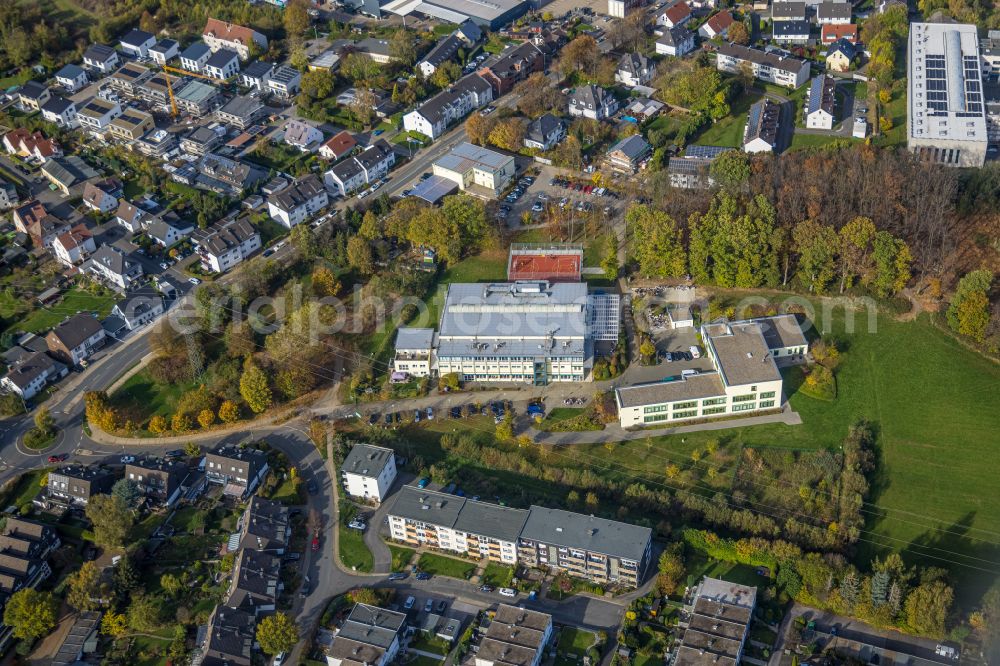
(507, 592)
(695, 352)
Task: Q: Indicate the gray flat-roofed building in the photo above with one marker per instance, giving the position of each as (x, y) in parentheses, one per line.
(369, 471)
(601, 550)
(492, 14)
(719, 613)
(426, 506)
(741, 353)
(515, 637)
(197, 97)
(946, 119)
(434, 189)
(783, 335)
(692, 387)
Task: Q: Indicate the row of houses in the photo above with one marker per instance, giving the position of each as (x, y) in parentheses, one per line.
(600, 550)
(25, 548)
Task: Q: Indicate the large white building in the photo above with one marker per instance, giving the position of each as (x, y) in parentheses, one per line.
(353, 173)
(476, 170)
(298, 202)
(946, 123)
(767, 67)
(227, 244)
(414, 352)
(744, 376)
(435, 115)
(531, 331)
(368, 471)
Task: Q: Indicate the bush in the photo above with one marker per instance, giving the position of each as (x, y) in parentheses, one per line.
(819, 383)
(38, 439)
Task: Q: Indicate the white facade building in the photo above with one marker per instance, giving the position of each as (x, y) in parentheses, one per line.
(368, 472)
(767, 67)
(434, 116)
(298, 202)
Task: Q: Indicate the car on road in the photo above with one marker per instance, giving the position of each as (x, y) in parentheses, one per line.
(315, 543)
(486, 588)
(429, 606)
(175, 453)
(507, 592)
(126, 460)
(312, 487)
(442, 606)
(409, 601)
(58, 458)
(455, 412)
(422, 483)
(399, 575)
(422, 575)
(164, 265)
(279, 660)
(430, 413)
(194, 280)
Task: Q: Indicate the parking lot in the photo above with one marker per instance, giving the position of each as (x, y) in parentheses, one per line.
(575, 197)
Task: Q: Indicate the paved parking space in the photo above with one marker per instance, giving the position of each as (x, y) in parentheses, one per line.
(543, 191)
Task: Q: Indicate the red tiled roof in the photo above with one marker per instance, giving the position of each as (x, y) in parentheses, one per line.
(340, 144)
(678, 12)
(75, 237)
(720, 22)
(832, 33)
(229, 32)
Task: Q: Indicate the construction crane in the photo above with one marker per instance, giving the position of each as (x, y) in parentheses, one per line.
(170, 88)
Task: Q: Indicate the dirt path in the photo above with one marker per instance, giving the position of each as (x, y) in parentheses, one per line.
(915, 307)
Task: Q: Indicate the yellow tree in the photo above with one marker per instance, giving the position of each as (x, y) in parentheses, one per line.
(206, 418)
(157, 425)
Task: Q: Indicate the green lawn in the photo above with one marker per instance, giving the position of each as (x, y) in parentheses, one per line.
(148, 645)
(400, 557)
(421, 660)
(289, 492)
(147, 398)
(697, 565)
(446, 566)
(498, 575)
(818, 140)
(24, 489)
(353, 552)
(729, 130)
(575, 640)
(73, 301)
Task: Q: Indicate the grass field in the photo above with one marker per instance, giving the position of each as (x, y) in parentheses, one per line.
(498, 575)
(729, 130)
(577, 641)
(446, 566)
(75, 300)
(353, 551)
(400, 557)
(145, 397)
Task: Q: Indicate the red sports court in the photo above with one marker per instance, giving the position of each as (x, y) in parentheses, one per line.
(555, 262)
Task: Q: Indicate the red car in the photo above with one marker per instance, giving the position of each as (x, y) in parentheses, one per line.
(58, 458)
(315, 543)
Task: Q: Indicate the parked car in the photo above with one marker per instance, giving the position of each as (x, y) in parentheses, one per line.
(422, 575)
(58, 458)
(507, 592)
(536, 409)
(293, 557)
(486, 588)
(442, 606)
(312, 487)
(315, 543)
(416, 416)
(430, 413)
(399, 575)
(429, 606)
(358, 524)
(126, 460)
(409, 602)
(373, 418)
(175, 453)
(456, 412)
(422, 483)
(194, 281)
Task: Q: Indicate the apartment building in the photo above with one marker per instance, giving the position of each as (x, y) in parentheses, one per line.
(298, 202)
(24, 549)
(515, 637)
(131, 125)
(96, 115)
(74, 246)
(264, 526)
(717, 623)
(744, 376)
(434, 116)
(476, 170)
(76, 484)
(284, 81)
(423, 517)
(370, 635)
(368, 472)
(112, 266)
(414, 352)
(366, 167)
(29, 376)
(227, 244)
(513, 65)
(766, 66)
(255, 582)
(238, 470)
(160, 481)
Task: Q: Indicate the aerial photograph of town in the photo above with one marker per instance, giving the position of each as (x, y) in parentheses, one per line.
(499, 333)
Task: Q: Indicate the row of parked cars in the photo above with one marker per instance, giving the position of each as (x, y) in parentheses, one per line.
(393, 419)
(583, 187)
(519, 189)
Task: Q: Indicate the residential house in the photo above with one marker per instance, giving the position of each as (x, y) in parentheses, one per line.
(60, 111)
(34, 220)
(169, 229)
(718, 615)
(831, 33)
(513, 65)
(768, 67)
(545, 132)
(635, 69)
(156, 143)
(840, 56)
(8, 195)
(111, 265)
(139, 307)
(763, 125)
(302, 135)
(338, 146)
(370, 635)
(327, 61)
(515, 637)
(717, 25)
(623, 8)
(788, 11)
(238, 470)
(68, 173)
(24, 547)
(677, 14)
(241, 111)
(692, 170)
(32, 95)
(601, 550)
(255, 582)
(31, 145)
(222, 65)
(833, 13)
(256, 75)
(678, 41)
(76, 484)
(102, 195)
(594, 102)
(476, 170)
(820, 103)
(298, 202)
(197, 98)
(225, 176)
(222, 35)
(134, 217)
(101, 58)
(444, 51)
(128, 79)
(366, 167)
(28, 377)
(28, 539)
(229, 638)
(76, 339)
(264, 526)
(368, 472)
(194, 57)
(790, 32)
(74, 246)
(96, 115)
(284, 81)
(137, 43)
(72, 77)
(228, 244)
(164, 51)
(469, 32)
(627, 155)
(414, 350)
(434, 116)
(160, 481)
(375, 48)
